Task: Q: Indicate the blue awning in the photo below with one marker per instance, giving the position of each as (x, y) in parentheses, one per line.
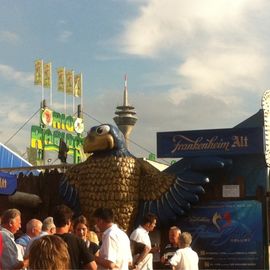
(10, 159)
(8, 183)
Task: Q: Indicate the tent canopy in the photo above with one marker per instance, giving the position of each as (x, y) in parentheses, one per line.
(10, 159)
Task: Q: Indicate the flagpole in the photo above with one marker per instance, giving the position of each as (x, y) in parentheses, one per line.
(42, 76)
(43, 102)
(73, 92)
(65, 92)
(82, 93)
(51, 86)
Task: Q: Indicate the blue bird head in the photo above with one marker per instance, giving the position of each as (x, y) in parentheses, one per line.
(105, 139)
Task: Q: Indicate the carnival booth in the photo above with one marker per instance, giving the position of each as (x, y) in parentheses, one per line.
(230, 224)
(9, 159)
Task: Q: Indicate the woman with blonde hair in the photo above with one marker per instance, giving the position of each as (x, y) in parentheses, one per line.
(49, 252)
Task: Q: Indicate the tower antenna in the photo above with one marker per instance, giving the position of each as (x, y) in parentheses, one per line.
(126, 115)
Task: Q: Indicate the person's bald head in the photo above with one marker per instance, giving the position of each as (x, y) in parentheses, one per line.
(33, 227)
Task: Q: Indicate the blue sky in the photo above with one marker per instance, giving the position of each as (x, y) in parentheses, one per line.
(191, 64)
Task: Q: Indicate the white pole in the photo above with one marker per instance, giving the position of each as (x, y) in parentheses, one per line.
(65, 93)
(73, 92)
(51, 86)
(42, 88)
(82, 93)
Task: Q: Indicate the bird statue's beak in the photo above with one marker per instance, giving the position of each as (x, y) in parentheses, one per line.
(93, 143)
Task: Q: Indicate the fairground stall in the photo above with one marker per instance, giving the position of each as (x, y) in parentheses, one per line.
(230, 224)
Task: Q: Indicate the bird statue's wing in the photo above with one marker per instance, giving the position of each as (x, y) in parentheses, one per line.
(170, 193)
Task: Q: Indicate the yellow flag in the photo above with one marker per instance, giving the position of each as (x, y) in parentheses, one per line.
(61, 79)
(38, 72)
(47, 75)
(78, 85)
(69, 82)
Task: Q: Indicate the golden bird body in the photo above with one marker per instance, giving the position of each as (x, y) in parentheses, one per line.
(108, 182)
(112, 177)
(117, 183)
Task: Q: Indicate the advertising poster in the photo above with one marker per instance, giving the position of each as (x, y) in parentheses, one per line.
(227, 234)
(230, 141)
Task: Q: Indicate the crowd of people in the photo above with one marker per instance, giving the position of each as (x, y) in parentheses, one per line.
(62, 242)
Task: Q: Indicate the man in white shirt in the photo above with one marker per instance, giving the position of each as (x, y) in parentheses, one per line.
(11, 254)
(115, 249)
(185, 258)
(141, 243)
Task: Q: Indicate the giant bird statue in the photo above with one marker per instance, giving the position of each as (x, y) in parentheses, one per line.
(112, 177)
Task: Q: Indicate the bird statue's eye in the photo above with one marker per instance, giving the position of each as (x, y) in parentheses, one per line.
(101, 130)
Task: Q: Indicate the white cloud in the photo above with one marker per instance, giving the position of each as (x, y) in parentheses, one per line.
(16, 122)
(16, 117)
(214, 42)
(219, 54)
(163, 25)
(11, 74)
(220, 73)
(64, 36)
(60, 106)
(15, 113)
(62, 22)
(9, 37)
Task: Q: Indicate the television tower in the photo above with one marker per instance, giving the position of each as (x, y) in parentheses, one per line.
(126, 116)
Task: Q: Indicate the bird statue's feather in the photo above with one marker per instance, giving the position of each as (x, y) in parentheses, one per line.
(185, 179)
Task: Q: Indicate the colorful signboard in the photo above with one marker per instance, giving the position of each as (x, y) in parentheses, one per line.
(227, 234)
(55, 126)
(233, 141)
(8, 183)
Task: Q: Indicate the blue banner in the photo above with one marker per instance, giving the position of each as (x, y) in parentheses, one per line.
(8, 183)
(227, 234)
(233, 141)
